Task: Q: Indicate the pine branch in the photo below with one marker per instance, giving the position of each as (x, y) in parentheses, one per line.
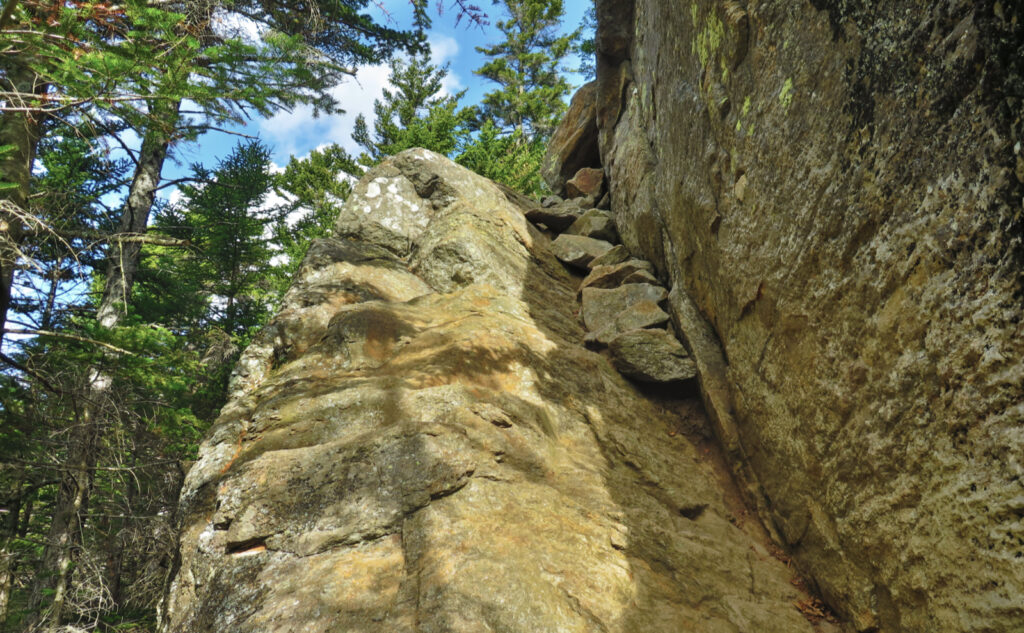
(72, 337)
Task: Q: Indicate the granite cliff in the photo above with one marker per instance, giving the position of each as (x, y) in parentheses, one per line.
(420, 441)
(833, 190)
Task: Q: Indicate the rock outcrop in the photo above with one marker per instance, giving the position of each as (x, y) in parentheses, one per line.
(420, 442)
(833, 192)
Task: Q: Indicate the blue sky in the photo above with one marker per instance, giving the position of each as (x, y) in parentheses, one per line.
(298, 132)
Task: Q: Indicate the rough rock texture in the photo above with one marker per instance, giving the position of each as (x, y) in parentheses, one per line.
(558, 216)
(643, 314)
(600, 306)
(419, 443)
(577, 250)
(836, 188)
(597, 224)
(587, 183)
(574, 145)
(617, 255)
(633, 271)
(651, 356)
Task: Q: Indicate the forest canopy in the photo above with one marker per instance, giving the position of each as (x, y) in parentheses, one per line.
(129, 284)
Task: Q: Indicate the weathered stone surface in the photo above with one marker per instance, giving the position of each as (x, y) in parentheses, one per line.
(598, 306)
(587, 183)
(335, 272)
(633, 271)
(835, 185)
(549, 201)
(597, 224)
(455, 462)
(557, 217)
(577, 250)
(573, 146)
(617, 255)
(643, 314)
(651, 356)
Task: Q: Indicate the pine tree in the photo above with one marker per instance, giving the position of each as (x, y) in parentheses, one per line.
(316, 187)
(532, 90)
(586, 48)
(223, 217)
(415, 113)
(511, 159)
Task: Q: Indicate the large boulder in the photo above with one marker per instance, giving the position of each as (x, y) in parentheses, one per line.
(437, 453)
(588, 183)
(599, 306)
(642, 314)
(834, 191)
(573, 145)
(632, 271)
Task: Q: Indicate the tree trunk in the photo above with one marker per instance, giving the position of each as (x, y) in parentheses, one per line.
(21, 131)
(84, 442)
(66, 527)
(46, 322)
(6, 577)
(8, 530)
(123, 261)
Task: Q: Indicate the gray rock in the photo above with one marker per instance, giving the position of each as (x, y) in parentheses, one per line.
(599, 307)
(651, 356)
(549, 201)
(643, 314)
(597, 224)
(436, 452)
(587, 183)
(845, 214)
(574, 143)
(633, 271)
(558, 217)
(617, 255)
(578, 251)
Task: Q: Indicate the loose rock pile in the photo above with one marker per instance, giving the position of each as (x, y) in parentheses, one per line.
(620, 298)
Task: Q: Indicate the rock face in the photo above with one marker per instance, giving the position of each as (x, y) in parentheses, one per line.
(834, 191)
(574, 145)
(419, 443)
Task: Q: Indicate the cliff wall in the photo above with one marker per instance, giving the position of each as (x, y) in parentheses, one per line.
(834, 191)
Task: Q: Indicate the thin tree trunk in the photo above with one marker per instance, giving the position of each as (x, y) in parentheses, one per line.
(20, 130)
(85, 440)
(7, 532)
(66, 528)
(46, 322)
(6, 578)
(123, 261)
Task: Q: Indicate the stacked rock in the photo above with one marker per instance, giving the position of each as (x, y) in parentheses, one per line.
(621, 299)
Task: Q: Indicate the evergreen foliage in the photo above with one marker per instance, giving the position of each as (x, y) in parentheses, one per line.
(415, 113)
(221, 215)
(526, 66)
(316, 187)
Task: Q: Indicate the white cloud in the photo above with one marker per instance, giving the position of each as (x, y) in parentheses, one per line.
(297, 132)
(229, 25)
(442, 48)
